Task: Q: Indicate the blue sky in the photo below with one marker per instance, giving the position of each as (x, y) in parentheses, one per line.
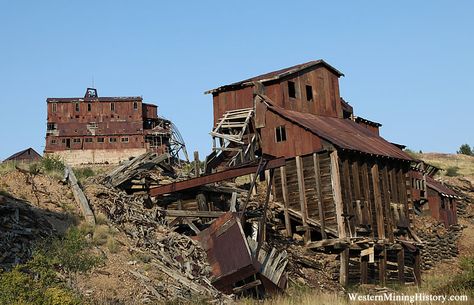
(408, 64)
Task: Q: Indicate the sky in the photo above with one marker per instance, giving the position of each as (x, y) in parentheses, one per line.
(407, 64)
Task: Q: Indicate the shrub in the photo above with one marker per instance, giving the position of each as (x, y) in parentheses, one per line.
(38, 280)
(52, 163)
(452, 171)
(83, 173)
(463, 282)
(112, 244)
(465, 149)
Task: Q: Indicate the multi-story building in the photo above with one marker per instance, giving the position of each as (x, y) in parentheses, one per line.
(97, 129)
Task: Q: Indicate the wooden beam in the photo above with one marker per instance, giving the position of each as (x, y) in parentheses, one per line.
(337, 194)
(340, 242)
(387, 208)
(344, 268)
(383, 266)
(215, 177)
(183, 213)
(302, 197)
(417, 268)
(191, 225)
(366, 192)
(79, 196)
(319, 195)
(197, 163)
(348, 196)
(361, 208)
(246, 286)
(378, 201)
(364, 269)
(284, 189)
(401, 265)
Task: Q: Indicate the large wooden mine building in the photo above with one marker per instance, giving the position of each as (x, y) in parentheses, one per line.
(344, 187)
(95, 129)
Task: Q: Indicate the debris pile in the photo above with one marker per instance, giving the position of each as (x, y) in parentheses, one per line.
(439, 243)
(179, 257)
(21, 225)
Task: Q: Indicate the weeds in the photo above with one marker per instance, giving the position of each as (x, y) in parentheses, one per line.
(39, 281)
(452, 171)
(83, 173)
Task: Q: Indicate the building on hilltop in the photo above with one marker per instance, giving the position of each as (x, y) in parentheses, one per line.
(26, 155)
(97, 129)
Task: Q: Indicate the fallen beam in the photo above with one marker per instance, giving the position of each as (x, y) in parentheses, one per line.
(184, 213)
(212, 178)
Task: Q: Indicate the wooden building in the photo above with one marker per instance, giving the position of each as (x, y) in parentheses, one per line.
(97, 129)
(343, 187)
(431, 197)
(26, 155)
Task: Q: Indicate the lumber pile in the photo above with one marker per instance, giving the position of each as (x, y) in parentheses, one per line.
(180, 258)
(21, 226)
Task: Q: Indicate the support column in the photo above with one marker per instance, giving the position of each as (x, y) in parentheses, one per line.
(401, 265)
(302, 196)
(284, 189)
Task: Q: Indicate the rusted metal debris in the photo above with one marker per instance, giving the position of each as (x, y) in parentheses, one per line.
(236, 265)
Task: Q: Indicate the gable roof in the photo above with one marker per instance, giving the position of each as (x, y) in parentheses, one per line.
(274, 75)
(18, 154)
(343, 133)
(440, 188)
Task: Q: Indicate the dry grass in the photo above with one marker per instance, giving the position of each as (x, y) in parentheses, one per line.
(464, 163)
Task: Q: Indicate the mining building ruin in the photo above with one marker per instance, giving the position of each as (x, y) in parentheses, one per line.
(95, 129)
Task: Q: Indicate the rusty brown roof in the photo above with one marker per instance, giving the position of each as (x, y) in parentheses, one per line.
(343, 133)
(276, 75)
(93, 99)
(440, 188)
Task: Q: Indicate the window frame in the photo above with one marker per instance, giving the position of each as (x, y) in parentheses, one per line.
(292, 88)
(280, 134)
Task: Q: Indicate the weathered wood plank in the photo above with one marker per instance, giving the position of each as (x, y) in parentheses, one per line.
(378, 202)
(302, 197)
(337, 193)
(317, 176)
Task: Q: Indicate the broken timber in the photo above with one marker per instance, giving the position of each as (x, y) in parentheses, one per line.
(215, 177)
(79, 196)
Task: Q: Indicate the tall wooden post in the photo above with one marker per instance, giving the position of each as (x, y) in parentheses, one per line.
(383, 266)
(317, 176)
(401, 265)
(378, 202)
(364, 269)
(197, 163)
(302, 196)
(284, 189)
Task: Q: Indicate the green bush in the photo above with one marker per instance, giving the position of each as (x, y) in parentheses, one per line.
(452, 171)
(465, 149)
(83, 173)
(38, 281)
(52, 163)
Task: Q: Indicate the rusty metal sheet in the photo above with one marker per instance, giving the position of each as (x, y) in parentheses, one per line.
(343, 133)
(440, 188)
(215, 177)
(227, 252)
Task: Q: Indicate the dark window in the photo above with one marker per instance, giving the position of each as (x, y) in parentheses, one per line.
(51, 126)
(112, 106)
(63, 141)
(100, 140)
(54, 106)
(309, 93)
(89, 107)
(77, 107)
(77, 140)
(291, 89)
(88, 140)
(124, 140)
(53, 141)
(280, 133)
(135, 105)
(112, 140)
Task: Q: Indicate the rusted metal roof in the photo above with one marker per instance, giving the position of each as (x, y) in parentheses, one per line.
(276, 75)
(440, 188)
(343, 133)
(32, 154)
(365, 121)
(93, 99)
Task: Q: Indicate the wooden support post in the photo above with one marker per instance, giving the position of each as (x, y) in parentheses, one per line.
(284, 189)
(378, 202)
(383, 266)
(302, 196)
(337, 193)
(79, 196)
(348, 197)
(417, 268)
(361, 208)
(403, 193)
(197, 164)
(387, 208)
(364, 269)
(366, 192)
(401, 265)
(233, 202)
(319, 195)
(344, 268)
(254, 189)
